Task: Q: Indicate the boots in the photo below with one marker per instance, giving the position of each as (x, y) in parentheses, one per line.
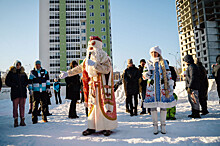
(196, 114)
(16, 122)
(22, 122)
(163, 114)
(155, 121)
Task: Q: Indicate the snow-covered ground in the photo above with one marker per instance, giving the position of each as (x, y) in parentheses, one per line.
(131, 130)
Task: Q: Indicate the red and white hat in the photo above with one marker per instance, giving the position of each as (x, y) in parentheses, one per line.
(95, 42)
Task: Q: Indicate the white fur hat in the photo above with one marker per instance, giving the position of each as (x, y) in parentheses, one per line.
(155, 49)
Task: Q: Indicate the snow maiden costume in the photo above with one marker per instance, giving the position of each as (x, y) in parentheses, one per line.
(98, 87)
(159, 92)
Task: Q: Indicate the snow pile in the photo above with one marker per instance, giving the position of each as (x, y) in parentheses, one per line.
(132, 130)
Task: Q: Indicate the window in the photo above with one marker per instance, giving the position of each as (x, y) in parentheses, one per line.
(102, 7)
(204, 45)
(83, 45)
(204, 52)
(92, 29)
(103, 29)
(198, 54)
(92, 21)
(205, 58)
(197, 41)
(102, 14)
(203, 38)
(102, 21)
(197, 34)
(83, 38)
(206, 65)
(101, 0)
(91, 7)
(103, 37)
(83, 23)
(83, 53)
(91, 14)
(104, 45)
(83, 31)
(197, 48)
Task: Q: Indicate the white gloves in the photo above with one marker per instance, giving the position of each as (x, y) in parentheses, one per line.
(90, 62)
(31, 92)
(86, 104)
(48, 90)
(63, 75)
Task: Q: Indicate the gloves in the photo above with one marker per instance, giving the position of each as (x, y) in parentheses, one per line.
(48, 90)
(63, 74)
(189, 91)
(90, 62)
(31, 92)
(86, 104)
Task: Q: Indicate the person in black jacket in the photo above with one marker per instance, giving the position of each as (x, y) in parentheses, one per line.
(73, 91)
(131, 78)
(143, 86)
(203, 91)
(56, 88)
(192, 85)
(216, 74)
(173, 74)
(18, 81)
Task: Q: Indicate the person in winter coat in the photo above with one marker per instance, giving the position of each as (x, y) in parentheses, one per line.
(73, 91)
(192, 85)
(126, 99)
(56, 88)
(39, 87)
(173, 74)
(131, 78)
(18, 81)
(171, 112)
(216, 74)
(143, 86)
(159, 92)
(203, 90)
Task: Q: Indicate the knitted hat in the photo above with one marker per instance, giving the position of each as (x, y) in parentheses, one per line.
(130, 61)
(95, 42)
(188, 59)
(142, 60)
(37, 62)
(155, 49)
(16, 62)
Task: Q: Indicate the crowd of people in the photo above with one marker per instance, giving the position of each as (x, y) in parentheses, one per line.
(153, 82)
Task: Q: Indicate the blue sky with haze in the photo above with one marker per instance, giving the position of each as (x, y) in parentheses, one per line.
(137, 25)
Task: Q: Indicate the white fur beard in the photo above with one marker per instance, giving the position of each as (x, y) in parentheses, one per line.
(98, 56)
(91, 71)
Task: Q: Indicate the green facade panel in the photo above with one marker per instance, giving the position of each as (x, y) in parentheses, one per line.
(62, 35)
(97, 21)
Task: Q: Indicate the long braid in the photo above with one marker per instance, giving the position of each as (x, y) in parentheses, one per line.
(164, 77)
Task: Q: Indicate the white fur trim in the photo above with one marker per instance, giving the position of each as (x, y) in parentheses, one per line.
(160, 104)
(155, 49)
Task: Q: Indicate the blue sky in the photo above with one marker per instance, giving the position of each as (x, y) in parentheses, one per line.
(137, 25)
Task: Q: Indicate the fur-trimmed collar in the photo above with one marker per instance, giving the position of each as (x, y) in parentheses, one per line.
(14, 70)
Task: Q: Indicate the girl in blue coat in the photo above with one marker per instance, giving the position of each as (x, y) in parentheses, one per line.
(159, 92)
